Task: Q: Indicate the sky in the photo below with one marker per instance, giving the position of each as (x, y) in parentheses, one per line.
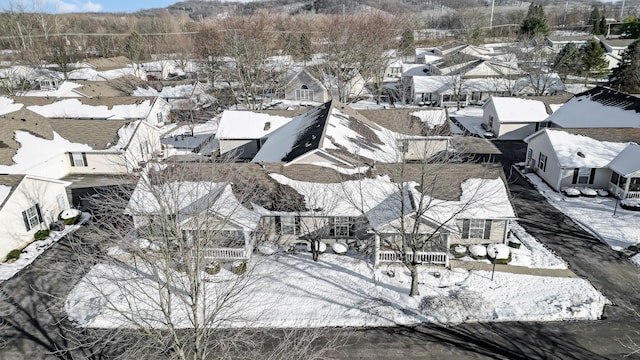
(67, 6)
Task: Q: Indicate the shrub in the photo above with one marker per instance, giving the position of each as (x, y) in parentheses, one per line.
(459, 251)
(180, 267)
(41, 235)
(240, 268)
(14, 254)
(212, 269)
(502, 261)
(514, 243)
(73, 220)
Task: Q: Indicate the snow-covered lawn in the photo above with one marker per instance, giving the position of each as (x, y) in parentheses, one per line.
(596, 215)
(290, 290)
(532, 253)
(33, 250)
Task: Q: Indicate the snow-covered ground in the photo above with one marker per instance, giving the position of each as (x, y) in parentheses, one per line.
(33, 250)
(532, 253)
(596, 215)
(290, 290)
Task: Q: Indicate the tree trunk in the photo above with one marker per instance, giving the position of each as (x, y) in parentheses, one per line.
(315, 249)
(414, 282)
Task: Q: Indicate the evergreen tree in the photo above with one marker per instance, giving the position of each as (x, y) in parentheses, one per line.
(407, 45)
(306, 50)
(593, 61)
(594, 20)
(602, 26)
(535, 23)
(631, 28)
(626, 77)
(568, 61)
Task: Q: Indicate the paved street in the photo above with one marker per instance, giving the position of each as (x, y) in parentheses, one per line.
(36, 328)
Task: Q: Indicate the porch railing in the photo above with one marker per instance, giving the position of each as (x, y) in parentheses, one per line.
(436, 258)
(224, 254)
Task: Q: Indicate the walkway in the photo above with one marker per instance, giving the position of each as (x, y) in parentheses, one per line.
(514, 269)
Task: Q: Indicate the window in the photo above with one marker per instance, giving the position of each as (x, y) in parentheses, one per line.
(32, 217)
(342, 227)
(634, 184)
(288, 225)
(583, 176)
(542, 162)
(476, 229)
(476, 96)
(78, 159)
(304, 93)
(160, 120)
(615, 178)
(144, 149)
(490, 121)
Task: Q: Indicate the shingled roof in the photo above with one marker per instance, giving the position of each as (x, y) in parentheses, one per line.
(24, 120)
(11, 181)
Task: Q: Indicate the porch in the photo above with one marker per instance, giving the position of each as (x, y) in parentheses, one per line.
(217, 254)
(435, 258)
(624, 187)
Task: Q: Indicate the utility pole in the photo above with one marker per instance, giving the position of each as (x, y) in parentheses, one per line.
(491, 19)
(621, 10)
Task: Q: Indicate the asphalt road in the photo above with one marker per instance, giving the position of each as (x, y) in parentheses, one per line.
(35, 326)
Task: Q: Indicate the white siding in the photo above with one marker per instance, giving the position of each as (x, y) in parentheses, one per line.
(13, 233)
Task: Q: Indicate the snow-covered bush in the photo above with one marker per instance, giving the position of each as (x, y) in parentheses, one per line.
(70, 216)
(602, 192)
(500, 253)
(339, 248)
(630, 204)
(239, 268)
(268, 249)
(588, 192)
(571, 192)
(478, 251)
(459, 251)
(212, 269)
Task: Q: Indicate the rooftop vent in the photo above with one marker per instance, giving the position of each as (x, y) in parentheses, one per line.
(580, 154)
(267, 126)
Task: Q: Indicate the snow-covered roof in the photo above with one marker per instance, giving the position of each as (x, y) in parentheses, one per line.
(599, 107)
(4, 193)
(74, 108)
(34, 150)
(578, 151)
(66, 89)
(627, 161)
(432, 118)
(510, 109)
(235, 124)
(8, 105)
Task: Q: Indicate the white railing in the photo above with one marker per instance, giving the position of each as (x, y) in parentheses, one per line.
(223, 253)
(437, 258)
(633, 195)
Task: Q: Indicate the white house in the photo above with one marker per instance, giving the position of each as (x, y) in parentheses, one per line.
(511, 118)
(28, 204)
(599, 107)
(563, 159)
(302, 86)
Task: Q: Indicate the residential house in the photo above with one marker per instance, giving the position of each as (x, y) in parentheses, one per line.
(181, 95)
(57, 147)
(563, 159)
(599, 107)
(28, 204)
(302, 86)
(556, 43)
(510, 118)
(615, 47)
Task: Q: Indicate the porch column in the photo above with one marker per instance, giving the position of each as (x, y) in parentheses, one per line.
(626, 188)
(376, 252)
(248, 244)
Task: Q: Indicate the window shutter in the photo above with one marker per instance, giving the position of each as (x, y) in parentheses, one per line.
(487, 229)
(276, 220)
(39, 213)
(352, 227)
(465, 228)
(26, 221)
(592, 175)
(332, 227)
(71, 159)
(575, 176)
(297, 224)
(84, 159)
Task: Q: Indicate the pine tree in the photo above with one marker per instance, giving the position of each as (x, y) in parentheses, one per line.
(594, 62)
(626, 77)
(594, 20)
(407, 46)
(602, 26)
(535, 23)
(306, 50)
(568, 61)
